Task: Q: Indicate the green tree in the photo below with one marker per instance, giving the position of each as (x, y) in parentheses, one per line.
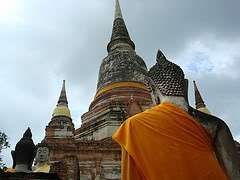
(3, 145)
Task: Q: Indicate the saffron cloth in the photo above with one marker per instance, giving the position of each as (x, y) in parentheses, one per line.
(166, 143)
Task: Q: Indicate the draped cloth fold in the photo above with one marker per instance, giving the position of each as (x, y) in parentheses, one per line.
(166, 143)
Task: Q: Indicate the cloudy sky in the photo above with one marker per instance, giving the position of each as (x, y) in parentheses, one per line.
(43, 42)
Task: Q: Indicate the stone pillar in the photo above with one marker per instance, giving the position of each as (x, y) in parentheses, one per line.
(72, 167)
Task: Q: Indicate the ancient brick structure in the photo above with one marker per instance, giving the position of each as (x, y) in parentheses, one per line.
(89, 152)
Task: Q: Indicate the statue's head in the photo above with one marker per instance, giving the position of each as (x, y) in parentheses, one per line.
(25, 151)
(43, 152)
(165, 79)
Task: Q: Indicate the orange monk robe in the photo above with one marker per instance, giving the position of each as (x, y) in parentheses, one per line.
(166, 143)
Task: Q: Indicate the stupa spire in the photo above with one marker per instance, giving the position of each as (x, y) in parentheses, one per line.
(120, 37)
(63, 97)
(62, 105)
(198, 98)
(61, 125)
(200, 105)
(118, 11)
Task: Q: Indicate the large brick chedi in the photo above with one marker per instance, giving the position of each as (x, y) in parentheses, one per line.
(121, 77)
(89, 152)
(120, 81)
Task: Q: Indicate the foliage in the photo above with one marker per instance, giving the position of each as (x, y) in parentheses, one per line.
(3, 145)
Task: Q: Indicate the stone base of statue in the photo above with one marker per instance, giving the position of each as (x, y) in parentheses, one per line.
(28, 176)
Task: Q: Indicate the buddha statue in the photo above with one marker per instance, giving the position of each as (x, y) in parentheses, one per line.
(24, 153)
(221, 137)
(42, 158)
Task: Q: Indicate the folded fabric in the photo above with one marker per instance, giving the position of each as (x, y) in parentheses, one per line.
(166, 143)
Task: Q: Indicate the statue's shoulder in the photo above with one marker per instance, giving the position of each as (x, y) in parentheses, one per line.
(43, 168)
(209, 122)
(203, 117)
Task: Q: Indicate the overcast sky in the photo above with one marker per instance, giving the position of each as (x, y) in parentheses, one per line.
(43, 42)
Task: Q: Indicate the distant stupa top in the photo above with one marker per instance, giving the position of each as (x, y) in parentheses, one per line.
(63, 96)
(62, 105)
(200, 105)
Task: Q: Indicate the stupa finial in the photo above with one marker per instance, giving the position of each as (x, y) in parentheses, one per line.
(120, 34)
(63, 96)
(118, 11)
(198, 98)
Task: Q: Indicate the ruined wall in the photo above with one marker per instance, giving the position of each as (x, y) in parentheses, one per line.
(85, 159)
